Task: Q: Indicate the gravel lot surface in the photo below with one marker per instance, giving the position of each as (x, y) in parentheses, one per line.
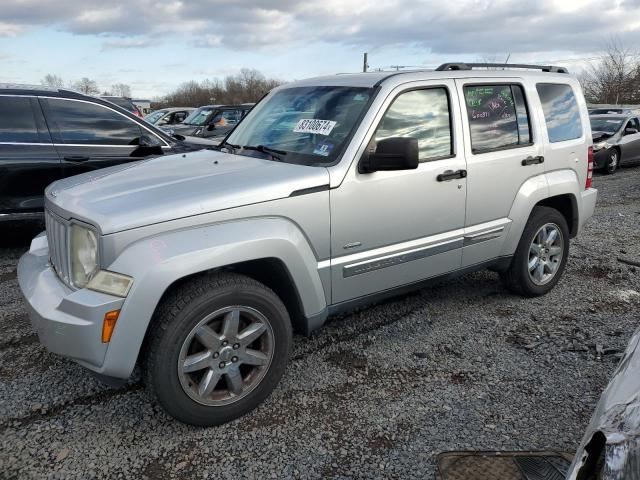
(377, 393)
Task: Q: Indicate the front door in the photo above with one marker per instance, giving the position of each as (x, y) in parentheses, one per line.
(393, 228)
(630, 142)
(89, 136)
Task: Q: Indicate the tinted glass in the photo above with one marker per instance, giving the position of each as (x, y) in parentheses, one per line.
(198, 117)
(17, 123)
(90, 124)
(122, 102)
(420, 114)
(310, 124)
(561, 111)
(153, 117)
(497, 117)
(633, 123)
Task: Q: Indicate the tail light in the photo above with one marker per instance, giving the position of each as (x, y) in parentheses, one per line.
(589, 168)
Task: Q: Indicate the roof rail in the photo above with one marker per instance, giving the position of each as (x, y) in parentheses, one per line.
(470, 66)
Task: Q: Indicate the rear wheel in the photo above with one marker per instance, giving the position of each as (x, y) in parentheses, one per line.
(613, 161)
(218, 347)
(541, 256)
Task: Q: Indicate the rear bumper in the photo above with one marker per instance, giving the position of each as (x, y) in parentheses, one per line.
(588, 205)
(68, 322)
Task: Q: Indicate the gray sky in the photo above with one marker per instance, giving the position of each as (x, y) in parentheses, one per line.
(154, 45)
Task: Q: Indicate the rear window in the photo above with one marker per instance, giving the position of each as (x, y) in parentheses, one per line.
(498, 117)
(17, 124)
(561, 112)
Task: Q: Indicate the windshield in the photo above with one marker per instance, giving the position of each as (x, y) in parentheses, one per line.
(153, 117)
(199, 117)
(608, 125)
(308, 125)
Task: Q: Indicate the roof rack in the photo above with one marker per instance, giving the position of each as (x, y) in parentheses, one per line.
(471, 66)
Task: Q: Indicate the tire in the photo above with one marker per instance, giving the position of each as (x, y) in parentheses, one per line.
(529, 283)
(193, 327)
(612, 163)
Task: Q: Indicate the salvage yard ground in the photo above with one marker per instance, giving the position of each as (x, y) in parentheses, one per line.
(461, 365)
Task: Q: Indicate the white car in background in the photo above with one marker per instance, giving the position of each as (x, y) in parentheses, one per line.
(169, 116)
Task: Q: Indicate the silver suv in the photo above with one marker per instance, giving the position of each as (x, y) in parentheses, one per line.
(332, 193)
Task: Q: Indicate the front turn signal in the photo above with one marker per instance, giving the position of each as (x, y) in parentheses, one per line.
(109, 323)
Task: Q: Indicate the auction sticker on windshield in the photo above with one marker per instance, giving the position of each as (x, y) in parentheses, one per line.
(312, 125)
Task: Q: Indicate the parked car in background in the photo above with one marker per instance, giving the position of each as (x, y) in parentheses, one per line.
(47, 134)
(211, 121)
(616, 140)
(610, 110)
(169, 116)
(126, 103)
(332, 193)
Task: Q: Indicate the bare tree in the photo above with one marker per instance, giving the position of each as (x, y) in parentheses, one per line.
(86, 86)
(615, 77)
(52, 80)
(121, 90)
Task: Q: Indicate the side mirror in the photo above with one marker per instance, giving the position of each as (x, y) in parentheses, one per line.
(397, 153)
(211, 126)
(147, 140)
(630, 131)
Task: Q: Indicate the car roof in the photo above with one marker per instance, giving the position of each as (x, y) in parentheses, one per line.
(373, 79)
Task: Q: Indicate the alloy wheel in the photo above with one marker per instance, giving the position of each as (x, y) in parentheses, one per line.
(545, 254)
(226, 355)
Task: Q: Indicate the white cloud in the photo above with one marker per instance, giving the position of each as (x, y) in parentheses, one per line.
(10, 29)
(126, 43)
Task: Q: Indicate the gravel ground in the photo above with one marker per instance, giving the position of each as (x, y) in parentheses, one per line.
(377, 393)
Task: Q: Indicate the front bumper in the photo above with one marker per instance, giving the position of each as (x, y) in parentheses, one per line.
(600, 158)
(68, 322)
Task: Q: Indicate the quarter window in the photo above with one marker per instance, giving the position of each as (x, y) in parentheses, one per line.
(90, 124)
(498, 117)
(17, 123)
(420, 114)
(561, 112)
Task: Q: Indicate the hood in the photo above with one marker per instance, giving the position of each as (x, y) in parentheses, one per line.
(176, 186)
(598, 136)
(182, 128)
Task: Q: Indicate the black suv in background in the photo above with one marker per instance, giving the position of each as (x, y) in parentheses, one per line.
(47, 134)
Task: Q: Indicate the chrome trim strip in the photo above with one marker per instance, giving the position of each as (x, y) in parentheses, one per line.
(28, 143)
(7, 217)
(401, 257)
(479, 237)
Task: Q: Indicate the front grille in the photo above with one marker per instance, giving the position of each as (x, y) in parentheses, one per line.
(58, 245)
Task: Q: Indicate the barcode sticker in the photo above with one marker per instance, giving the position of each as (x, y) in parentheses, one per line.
(312, 125)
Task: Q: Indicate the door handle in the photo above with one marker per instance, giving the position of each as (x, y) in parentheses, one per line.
(76, 158)
(533, 160)
(451, 175)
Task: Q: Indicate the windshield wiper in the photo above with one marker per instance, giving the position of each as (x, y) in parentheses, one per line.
(261, 148)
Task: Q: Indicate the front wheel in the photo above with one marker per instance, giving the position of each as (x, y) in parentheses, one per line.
(613, 160)
(541, 256)
(218, 346)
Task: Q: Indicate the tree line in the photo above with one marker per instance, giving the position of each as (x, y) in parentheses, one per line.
(248, 86)
(87, 86)
(614, 78)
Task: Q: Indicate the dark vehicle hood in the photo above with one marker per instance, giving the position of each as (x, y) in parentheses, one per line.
(181, 128)
(598, 136)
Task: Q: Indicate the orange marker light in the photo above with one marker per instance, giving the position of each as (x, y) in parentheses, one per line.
(110, 319)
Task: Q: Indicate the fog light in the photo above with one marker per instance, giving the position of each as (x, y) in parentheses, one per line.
(109, 323)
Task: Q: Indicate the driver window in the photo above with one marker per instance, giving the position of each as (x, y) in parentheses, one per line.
(421, 114)
(633, 123)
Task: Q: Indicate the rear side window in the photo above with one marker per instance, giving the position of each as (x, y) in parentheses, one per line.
(421, 114)
(17, 123)
(561, 112)
(89, 124)
(498, 117)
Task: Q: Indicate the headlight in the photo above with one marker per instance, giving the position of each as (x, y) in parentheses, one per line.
(84, 255)
(111, 283)
(600, 145)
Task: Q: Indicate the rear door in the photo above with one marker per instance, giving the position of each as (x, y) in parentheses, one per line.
(28, 160)
(90, 136)
(503, 150)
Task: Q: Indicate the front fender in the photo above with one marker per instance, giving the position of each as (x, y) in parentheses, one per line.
(157, 262)
(533, 191)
